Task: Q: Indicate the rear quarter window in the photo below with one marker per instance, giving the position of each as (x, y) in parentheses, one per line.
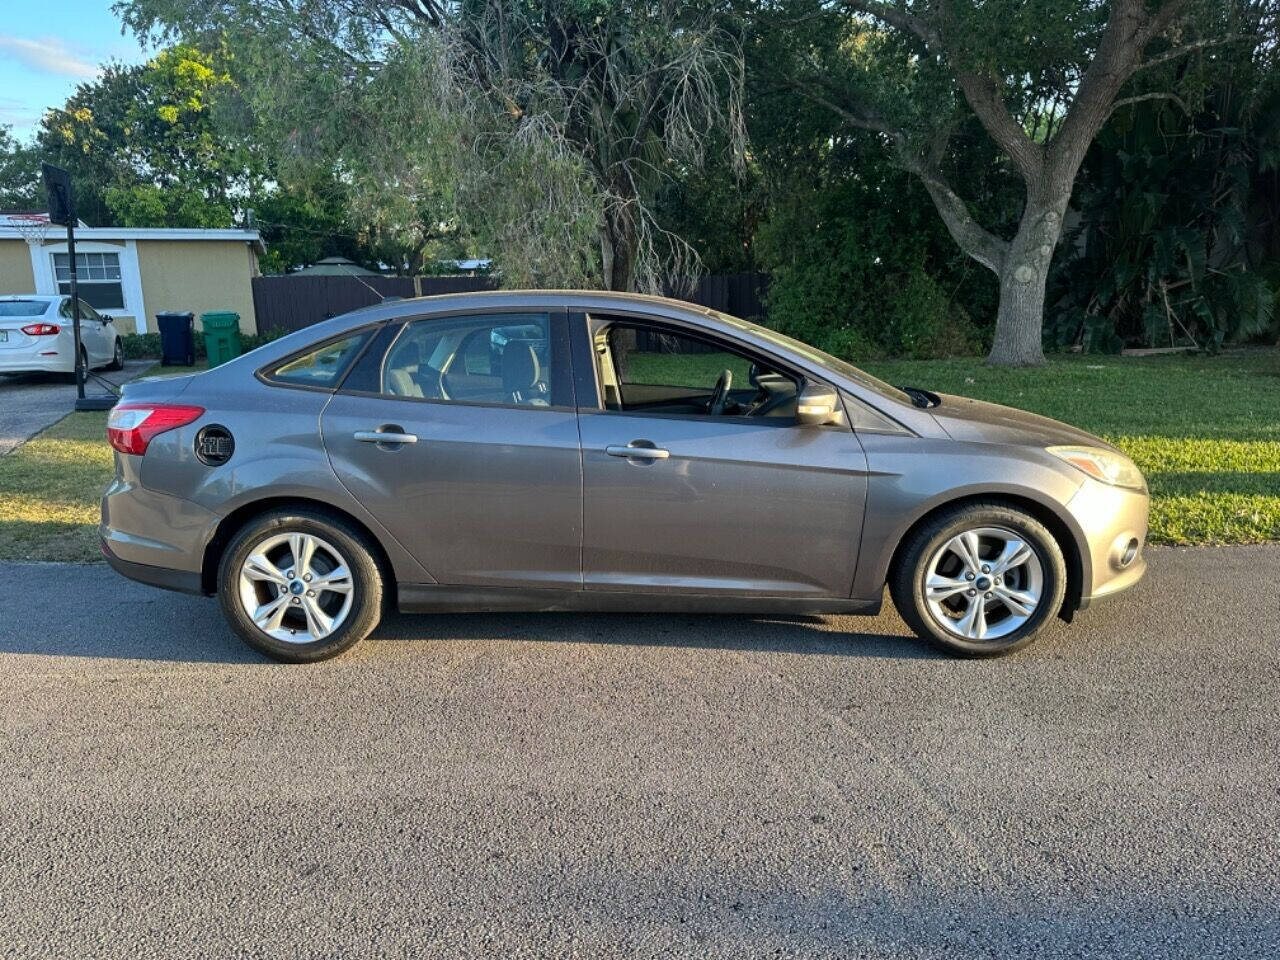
(321, 366)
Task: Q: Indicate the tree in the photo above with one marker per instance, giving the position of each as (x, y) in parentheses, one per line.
(145, 148)
(19, 174)
(1179, 227)
(1040, 77)
(544, 130)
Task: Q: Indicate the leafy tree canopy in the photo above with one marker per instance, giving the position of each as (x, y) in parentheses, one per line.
(146, 148)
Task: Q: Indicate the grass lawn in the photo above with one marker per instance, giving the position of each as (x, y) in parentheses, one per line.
(1205, 430)
(50, 488)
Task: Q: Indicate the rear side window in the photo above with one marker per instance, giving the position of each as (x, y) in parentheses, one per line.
(509, 359)
(322, 366)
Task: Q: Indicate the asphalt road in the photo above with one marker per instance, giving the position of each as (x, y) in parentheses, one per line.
(29, 402)
(608, 786)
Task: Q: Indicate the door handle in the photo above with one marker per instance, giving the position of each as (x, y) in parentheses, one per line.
(385, 436)
(637, 453)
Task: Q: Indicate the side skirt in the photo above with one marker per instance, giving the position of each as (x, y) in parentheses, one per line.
(438, 598)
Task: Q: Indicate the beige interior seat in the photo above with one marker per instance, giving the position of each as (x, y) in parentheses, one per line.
(402, 383)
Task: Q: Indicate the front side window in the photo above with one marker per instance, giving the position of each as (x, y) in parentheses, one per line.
(502, 359)
(321, 367)
(97, 278)
(663, 371)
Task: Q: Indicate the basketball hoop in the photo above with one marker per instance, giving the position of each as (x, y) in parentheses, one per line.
(32, 227)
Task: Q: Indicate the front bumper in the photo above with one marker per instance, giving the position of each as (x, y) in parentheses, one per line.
(1114, 523)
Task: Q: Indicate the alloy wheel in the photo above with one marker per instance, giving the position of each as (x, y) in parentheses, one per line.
(296, 587)
(984, 583)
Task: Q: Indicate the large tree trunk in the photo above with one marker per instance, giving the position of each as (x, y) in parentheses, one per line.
(1023, 274)
(617, 253)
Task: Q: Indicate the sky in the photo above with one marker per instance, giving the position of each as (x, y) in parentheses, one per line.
(49, 46)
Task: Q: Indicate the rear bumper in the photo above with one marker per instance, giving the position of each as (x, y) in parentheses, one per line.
(33, 364)
(153, 537)
(184, 581)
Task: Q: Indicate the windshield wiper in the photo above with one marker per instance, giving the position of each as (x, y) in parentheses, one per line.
(922, 398)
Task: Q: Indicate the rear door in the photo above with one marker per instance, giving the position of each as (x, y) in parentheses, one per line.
(677, 499)
(460, 435)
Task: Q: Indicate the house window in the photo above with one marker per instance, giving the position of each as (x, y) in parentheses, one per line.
(97, 276)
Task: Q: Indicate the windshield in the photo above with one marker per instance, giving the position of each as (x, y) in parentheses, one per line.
(23, 308)
(860, 377)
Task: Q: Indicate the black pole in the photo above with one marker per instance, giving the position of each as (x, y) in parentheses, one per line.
(75, 309)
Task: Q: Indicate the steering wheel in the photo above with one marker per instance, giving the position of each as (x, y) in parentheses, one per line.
(715, 406)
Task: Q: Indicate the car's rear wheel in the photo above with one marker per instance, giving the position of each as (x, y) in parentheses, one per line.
(300, 585)
(980, 580)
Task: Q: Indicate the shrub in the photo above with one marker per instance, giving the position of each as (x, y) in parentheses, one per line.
(865, 279)
(146, 346)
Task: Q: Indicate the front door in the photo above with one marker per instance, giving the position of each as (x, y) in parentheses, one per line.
(696, 478)
(90, 330)
(459, 434)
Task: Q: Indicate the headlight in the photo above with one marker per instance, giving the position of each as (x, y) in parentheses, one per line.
(1106, 465)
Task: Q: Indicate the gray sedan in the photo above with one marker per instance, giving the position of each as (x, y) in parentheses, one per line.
(588, 451)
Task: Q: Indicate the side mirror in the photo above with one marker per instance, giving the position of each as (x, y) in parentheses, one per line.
(817, 405)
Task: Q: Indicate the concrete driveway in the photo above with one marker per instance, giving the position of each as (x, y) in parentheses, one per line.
(29, 402)
(604, 786)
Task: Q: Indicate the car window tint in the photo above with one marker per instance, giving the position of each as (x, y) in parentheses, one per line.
(321, 367)
(502, 359)
(648, 357)
(659, 370)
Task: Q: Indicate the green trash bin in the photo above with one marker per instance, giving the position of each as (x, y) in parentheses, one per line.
(221, 336)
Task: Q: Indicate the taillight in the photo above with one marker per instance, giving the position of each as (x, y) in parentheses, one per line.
(41, 329)
(131, 426)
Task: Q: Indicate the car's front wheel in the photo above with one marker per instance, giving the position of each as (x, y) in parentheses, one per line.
(300, 585)
(980, 580)
(117, 358)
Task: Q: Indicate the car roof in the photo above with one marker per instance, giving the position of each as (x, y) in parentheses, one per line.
(571, 299)
(33, 297)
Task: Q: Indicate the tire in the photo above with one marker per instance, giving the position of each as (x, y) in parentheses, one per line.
(292, 631)
(956, 613)
(84, 362)
(117, 358)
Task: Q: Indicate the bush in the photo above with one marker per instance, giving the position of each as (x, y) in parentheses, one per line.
(864, 279)
(146, 346)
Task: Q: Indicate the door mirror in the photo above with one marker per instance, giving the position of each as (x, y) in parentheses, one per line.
(817, 405)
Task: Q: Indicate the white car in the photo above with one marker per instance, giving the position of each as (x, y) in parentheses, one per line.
(36, 335)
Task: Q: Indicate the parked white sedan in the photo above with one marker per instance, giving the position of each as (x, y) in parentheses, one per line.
(36, 336)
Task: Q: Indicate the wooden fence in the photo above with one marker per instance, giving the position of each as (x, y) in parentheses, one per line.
(291, 303)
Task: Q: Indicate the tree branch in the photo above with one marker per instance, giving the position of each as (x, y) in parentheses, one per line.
(1182, 51)
(899, 18)
(980, 90)
(1130, 101)
(1160, 20)
(974, 239)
